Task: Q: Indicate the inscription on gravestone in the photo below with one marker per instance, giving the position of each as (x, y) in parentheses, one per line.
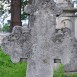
(57, 60)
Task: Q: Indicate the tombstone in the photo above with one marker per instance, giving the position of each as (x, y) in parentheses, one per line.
(66, 47)
(35, 43)
(17, 44)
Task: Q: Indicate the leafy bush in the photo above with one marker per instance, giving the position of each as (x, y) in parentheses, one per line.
(6, 28)
(24, 16)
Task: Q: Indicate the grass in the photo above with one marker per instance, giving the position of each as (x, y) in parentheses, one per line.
(60, 72)
(9, 69)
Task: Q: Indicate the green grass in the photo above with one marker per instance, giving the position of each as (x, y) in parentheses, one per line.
(9, 69)
(60, 72)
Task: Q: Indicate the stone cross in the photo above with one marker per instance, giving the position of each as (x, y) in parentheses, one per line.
(35, 43)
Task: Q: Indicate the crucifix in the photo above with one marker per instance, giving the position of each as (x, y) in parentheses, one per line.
(15, 13)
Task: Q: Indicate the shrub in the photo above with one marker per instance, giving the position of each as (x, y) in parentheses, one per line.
(6, 28)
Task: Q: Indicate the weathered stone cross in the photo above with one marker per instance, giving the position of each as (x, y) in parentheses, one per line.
(34, 43)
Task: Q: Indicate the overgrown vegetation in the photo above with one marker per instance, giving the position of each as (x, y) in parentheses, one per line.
(6, 28)
(60, 72)
(8, 69)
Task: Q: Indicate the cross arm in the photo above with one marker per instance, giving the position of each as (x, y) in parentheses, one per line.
(17, 44)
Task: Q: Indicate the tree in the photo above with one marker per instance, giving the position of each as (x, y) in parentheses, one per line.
(5, 13)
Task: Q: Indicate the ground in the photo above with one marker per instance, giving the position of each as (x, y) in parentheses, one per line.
(8, 69)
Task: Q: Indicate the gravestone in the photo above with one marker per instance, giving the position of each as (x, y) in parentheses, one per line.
(17, 44)
(65, 49)
(40, 63)
(41, 44)
(35, 43)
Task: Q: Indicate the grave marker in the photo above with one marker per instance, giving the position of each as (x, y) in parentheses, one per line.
(35, 43)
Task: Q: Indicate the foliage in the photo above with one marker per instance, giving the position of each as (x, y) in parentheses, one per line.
(23, 3)
(5, 10)
(8, 69)
(60, 72)
(24, 16)
(6, 28)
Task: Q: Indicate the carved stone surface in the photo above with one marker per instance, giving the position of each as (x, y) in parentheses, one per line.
(35, 45)
(2, 35)
(64, 3)
(40, 44)
(42, 24)
(65, 48)
(17, 44)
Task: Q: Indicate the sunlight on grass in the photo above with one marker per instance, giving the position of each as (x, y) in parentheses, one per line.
(8, 69)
